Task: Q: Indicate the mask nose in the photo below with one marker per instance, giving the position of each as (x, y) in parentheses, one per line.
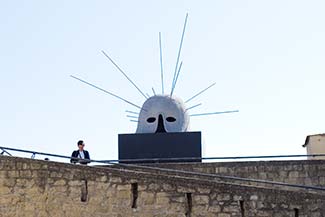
(161, 127)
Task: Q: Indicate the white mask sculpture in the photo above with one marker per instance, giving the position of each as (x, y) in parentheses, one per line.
(161, 114)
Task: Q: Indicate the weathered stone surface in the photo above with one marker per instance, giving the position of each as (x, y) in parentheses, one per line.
(185, 189)
(153, 186)
(201, 199)
(253, 197)
(231, 209)
(168, 187)
(162, 198)
(101, 179)
(60, 182)
(203, 190)
(123, 187)
(147, 198)
(200, 210)
(214, 209)
(75, 183)
(43, 188)
(223, 197)
(223, 215)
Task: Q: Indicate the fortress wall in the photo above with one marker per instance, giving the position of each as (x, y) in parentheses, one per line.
(43, 188)
(304, 172)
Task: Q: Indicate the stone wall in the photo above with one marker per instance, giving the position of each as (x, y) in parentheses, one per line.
(44, 188)
(302, 172)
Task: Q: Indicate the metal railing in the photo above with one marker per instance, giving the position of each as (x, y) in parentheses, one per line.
(178, 172)
(161, 160)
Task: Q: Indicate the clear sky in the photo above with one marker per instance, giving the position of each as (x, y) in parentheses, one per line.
(266, 57)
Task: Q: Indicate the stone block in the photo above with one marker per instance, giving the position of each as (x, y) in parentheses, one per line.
(168, 187)
(3, 174)
(222, 170)
(203, 190)
(8, 165)
(176, 208)
(199, 209)
(142, 187)
(293, 174)
(60, 182)
(231, 209)
(25, 173)
(283, 173)
(185, 189)
(115, 179)
(59, 190)
(13, 174)
(261, 213)
(24, 182)
(214, 209)
(316, 214)
(237, 198)
(260, 205)
(162, 198)
(35, 166)
(55, 174)
(32, 192)
(9, 182)
(101, 179)
(224, 215)
(68, 175)
(153, 186)
(146, 198)
(322, 181)
(4, 190)
(44, 166)
(284, 206)
(223, 197)
(75, 183)
(123, 194)
(262, 175)
(124, 187)
(180, 199)
(201, 199)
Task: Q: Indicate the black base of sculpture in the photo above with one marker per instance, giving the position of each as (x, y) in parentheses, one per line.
(159, 147)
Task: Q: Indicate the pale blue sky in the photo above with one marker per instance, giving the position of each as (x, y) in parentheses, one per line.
(266, 57)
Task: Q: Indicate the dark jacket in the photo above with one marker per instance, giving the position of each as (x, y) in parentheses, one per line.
(75, 154)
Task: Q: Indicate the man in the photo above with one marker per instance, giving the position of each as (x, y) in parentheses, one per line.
(80, 153)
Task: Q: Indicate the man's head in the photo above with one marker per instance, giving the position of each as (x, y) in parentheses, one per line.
(81, 145)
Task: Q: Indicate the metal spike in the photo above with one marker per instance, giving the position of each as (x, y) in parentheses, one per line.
(132, 112)
(161, 66)
(130, 116)
(214, 113)
(110, 59)
(199, 93)
(112, 94)
(194, 106)
(179, 51)
(180, 66)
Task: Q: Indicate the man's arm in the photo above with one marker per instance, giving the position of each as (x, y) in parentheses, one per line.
(74, 155)
(87, 157)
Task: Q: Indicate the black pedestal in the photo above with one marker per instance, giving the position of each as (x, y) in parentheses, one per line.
(159, 147)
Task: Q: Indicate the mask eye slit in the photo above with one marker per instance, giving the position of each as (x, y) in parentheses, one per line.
(151, 120)
(170, 119)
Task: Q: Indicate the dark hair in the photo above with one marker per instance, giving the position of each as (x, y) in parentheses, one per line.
(80, 142)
